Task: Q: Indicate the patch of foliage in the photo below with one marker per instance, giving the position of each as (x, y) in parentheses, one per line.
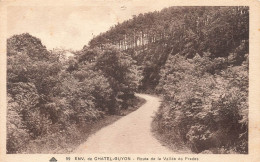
(205, 111)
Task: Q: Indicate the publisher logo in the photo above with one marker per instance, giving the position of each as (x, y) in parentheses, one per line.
(53, 159)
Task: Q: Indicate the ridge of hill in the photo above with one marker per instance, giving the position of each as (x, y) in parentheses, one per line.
(151, 37)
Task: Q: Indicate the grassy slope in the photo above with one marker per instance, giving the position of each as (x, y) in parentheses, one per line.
(66, 142)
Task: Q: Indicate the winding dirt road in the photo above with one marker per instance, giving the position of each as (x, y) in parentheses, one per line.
(130, 134)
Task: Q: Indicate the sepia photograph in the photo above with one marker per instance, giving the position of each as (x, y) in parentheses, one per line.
(127, 79)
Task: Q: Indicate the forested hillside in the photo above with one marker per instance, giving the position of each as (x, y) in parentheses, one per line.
(151, 37)
(197, 59)
(52, 101)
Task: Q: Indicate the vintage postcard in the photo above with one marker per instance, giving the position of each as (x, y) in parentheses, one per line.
(130, 80)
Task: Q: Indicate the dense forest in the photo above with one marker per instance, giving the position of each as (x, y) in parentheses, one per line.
(196, 58)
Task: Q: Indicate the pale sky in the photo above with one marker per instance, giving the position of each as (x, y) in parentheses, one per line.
(69, 27)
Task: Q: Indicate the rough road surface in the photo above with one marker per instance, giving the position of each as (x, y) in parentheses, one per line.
(130, 134)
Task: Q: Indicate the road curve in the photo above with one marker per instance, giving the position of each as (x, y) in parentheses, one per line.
(129, 135)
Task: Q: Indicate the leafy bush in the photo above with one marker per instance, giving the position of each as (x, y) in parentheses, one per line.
(206, 111)
(17, 136)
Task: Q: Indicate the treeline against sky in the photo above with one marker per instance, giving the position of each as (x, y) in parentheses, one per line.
(151, 37)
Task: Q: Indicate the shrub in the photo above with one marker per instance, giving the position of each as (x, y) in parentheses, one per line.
(206, 111)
